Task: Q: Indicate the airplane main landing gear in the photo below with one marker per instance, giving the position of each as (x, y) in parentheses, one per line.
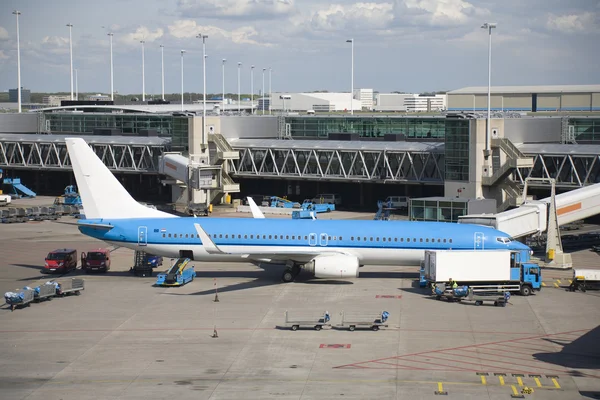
(290, 273)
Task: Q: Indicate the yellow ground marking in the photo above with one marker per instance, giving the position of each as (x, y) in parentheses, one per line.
(537, 382)
(501, 380)
(556, 385)
(483, 381)
(520, 381)
(514, 389)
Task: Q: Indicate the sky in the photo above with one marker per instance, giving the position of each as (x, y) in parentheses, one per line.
(399, 45)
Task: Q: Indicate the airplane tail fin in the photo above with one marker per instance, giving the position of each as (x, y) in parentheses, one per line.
(256, 213)
(101, 193)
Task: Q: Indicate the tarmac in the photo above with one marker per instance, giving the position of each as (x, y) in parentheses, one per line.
(122, 338)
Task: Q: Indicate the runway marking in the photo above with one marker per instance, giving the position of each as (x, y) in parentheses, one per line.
(334, 346)
(521, 362)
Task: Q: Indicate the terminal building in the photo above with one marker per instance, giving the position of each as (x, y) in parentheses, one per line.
(527, 98)
(404, 102)
(363, 158)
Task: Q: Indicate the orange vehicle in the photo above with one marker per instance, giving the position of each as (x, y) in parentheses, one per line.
(96, 260)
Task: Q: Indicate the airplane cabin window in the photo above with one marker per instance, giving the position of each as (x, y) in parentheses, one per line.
(287, 237)
(450, 240)
(384, 239)
(164, 235)
(340, 238)
(395, 239)
(328, 237)
(293, 237)
(427, 240)
(245, 236)
(438, 240)
(220, 236)
(389, 239)
(305, 237)
(226, 236)
(414, 239)
(269, 236)
(444, 240)
(170, 235)
(181, 235)
(377, 239)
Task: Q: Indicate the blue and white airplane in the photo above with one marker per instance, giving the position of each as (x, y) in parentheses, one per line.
(325, 248)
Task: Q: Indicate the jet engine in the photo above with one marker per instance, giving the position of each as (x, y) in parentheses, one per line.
(333, 266)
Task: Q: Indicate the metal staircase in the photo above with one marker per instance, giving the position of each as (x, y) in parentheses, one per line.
(500, 177)
(224, 153)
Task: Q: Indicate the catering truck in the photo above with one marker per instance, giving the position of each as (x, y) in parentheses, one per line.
(584, 279)
(500, 269)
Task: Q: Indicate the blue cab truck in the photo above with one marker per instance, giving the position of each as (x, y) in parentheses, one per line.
(504, 270)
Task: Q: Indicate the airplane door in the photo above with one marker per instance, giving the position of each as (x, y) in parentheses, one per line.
(142, 235)
(478, 241)
(323, 239)
(312, 239)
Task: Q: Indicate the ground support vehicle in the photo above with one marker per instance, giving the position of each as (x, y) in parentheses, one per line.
(22, 298)
(304, 214)
(315, 321)
(584, 279)
(143, 263)
(70, 286)
(493, 269)
(364, 320)
(479, 297)
(283, 203)
(309, 205)
(177, 275)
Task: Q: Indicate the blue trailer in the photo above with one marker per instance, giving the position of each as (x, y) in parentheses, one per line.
(308, 205)
(15, 188)
(304, 214)
(283, 203)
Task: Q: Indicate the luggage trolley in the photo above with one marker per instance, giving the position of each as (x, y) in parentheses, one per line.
(372, 321)
(45, 291)
(23, 297)
(499, 297)
(68, 286)
(318, 322)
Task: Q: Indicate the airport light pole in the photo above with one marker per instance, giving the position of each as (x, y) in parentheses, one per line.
(224, 61)
(76, 86)
(489, 26)
(351, 41)
(17, 13)
(203, 37)
(239, 90)
(263, 91)
(71, 56)
(182, 53)
(270, 92)
(162, 69)
(112, 80)
(143, 72)
(252, 89)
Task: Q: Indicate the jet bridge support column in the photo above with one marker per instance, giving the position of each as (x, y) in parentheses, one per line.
(554, 257)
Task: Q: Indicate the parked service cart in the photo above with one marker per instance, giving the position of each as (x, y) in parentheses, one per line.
(479, 296)
(317, 322)
(364, 320)
(45, 291)
(68, 286)
(584, 279)
(21, 298)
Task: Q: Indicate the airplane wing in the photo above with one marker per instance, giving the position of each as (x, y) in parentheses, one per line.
(212, 248)
(256, 213)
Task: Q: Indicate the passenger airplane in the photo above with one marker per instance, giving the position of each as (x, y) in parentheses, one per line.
(325, 248)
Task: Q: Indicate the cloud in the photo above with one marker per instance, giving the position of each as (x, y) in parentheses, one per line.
(183, 29)
(3, 34)
(370, 16)
(142, 33)
(235, 9)
(572, 23)
(439, 13)
(55, 41)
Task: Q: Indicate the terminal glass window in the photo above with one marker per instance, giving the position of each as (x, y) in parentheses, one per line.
(367, 127)
(436, 210)
(457, 150)
(586, 129)
(121, 124)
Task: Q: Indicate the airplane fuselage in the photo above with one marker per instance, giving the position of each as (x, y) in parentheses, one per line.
(372, 242)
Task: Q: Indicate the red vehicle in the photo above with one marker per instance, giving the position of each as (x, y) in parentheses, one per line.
(96, 260)
(60, 261)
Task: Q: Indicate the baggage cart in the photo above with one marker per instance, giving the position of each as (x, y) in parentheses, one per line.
(45, 291)
(315, 321)
(67, 286)
(20, 298)
(364, 320)
(499, 298)
(440, 291)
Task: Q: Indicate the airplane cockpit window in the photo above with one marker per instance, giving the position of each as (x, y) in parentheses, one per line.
(504, 240)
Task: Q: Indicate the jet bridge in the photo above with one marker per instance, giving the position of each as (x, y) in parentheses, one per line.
(532, 217)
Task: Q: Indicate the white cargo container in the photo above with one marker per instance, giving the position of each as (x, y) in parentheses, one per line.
(589, 275)
(467, 266)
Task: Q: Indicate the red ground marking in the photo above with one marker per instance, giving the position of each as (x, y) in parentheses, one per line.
(388, 296)
(522, 365)
(517, 346)
(474, 348)
(334, 346)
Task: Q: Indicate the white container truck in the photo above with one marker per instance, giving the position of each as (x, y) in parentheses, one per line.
(584, 279)
(481, 269)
